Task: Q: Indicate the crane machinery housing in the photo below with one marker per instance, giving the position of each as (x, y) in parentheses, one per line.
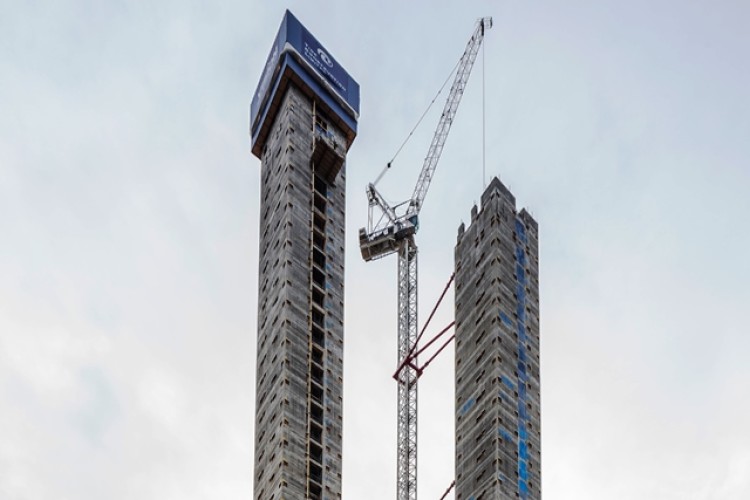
(393, 232)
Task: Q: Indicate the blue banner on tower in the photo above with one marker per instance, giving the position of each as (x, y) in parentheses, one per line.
(295, 39)
(325, 64)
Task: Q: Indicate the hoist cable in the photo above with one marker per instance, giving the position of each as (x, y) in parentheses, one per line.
(484, 147)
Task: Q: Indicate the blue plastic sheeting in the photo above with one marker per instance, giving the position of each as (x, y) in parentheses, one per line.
(523, 451)
(467, 406)
(523, 472)
(523, 489)
(522, 414)
(522, 434)
(504, 434)
(520, 256)
(521, 312)
(521, 230)
(521, 366)
(504, 317)
(520, 273)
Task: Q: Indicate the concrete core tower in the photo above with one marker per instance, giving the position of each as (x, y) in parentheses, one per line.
(498, 434)
(303, 120)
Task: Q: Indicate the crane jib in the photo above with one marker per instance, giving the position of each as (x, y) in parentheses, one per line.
(416, 202)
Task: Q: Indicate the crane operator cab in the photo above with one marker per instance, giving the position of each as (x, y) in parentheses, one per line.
(387, 240)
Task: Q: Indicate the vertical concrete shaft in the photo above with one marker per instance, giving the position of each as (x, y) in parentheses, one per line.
(298, 429)
(498, 434)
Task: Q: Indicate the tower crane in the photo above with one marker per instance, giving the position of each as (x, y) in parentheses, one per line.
(393, 232)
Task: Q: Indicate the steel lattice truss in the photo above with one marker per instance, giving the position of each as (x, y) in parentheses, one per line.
(407, 380)
(449, 113)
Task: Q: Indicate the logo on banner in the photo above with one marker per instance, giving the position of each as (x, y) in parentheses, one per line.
(323, 63)
(326, 58)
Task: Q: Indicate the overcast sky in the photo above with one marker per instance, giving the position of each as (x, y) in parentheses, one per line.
(129, 215)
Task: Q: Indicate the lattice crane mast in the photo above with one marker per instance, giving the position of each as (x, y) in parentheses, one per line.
(393, 232)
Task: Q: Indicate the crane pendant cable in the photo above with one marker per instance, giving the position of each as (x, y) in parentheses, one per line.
(429, 106)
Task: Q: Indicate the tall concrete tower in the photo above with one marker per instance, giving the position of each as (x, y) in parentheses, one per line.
(498, 433)
(303, 119)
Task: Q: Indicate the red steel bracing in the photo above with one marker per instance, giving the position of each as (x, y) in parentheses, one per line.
(434, 309)
(448, 490)
(410, 359)
(445, 344)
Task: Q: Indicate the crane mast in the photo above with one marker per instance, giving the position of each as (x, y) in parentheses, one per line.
(394, 233)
